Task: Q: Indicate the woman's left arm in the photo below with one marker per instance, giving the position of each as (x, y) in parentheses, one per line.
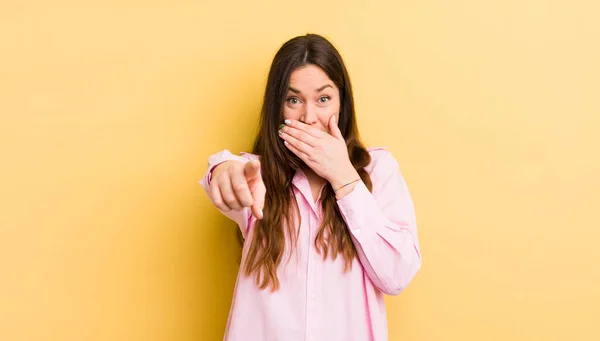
(383, 226)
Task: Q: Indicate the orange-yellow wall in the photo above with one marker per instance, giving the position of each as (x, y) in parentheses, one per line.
(110, 109)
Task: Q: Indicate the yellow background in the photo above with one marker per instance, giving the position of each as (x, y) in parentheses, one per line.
(111, 108)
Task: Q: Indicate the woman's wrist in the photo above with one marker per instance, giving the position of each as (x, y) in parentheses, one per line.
(346, 179)
(342, 192)
(222, 167)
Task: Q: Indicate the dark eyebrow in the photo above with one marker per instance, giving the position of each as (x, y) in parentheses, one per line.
(318, 90)
(323, 87)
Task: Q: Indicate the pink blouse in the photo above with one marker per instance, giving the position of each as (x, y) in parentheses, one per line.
(317, 300)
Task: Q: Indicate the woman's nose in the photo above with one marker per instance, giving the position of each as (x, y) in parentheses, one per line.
(310, 114)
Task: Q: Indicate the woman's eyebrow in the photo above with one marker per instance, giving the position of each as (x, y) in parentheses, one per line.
(324, 87)
(318, 90)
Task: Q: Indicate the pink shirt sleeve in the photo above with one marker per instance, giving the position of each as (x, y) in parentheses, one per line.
(244, 216)
(383, 226)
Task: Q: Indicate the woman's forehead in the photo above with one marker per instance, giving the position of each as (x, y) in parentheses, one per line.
(310, 78)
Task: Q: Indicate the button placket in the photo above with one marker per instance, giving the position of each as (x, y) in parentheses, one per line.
(312, 317)
(309, 280)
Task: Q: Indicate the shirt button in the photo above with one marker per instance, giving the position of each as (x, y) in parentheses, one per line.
(312, 296)
(312, 339)
(357, 231)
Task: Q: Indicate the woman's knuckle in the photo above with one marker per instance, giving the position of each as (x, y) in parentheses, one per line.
(229, 197)
(239, 187)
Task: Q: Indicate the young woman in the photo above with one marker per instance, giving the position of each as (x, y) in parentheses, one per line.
(328, 225)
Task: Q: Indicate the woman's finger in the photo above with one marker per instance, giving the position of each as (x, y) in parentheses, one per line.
(217, 199)
(295, 150)
(252, 170)
(228, 194)
(305, 127)
(239, 184)
(258, 194)
(300, 135)
(334, 129)
(297, 144)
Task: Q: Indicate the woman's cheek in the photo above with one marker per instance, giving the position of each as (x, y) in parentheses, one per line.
(290, 113)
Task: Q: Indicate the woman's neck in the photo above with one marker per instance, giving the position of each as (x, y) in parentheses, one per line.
(313, 178)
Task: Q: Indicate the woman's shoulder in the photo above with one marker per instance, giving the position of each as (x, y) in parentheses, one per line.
(380, 155)
(383, 162)
(378, 150)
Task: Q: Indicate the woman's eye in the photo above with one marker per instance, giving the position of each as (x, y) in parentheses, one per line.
(293, 100)
(324, 99)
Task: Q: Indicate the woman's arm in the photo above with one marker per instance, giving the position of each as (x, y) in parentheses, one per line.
(383, 226)
(242, 216)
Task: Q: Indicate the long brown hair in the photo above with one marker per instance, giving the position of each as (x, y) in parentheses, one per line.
(278, 164)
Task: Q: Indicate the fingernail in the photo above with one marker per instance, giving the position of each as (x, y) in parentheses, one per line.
(281, 132)
(287, 121)
(281, 126)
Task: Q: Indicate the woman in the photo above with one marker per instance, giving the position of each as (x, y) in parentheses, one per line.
(329, 225)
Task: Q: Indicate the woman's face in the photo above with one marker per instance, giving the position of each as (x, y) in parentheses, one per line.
(312, 97)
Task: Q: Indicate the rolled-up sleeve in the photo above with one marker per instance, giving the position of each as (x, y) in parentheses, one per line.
(383, 226)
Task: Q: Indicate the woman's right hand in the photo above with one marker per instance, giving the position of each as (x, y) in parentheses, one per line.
(235, 185)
